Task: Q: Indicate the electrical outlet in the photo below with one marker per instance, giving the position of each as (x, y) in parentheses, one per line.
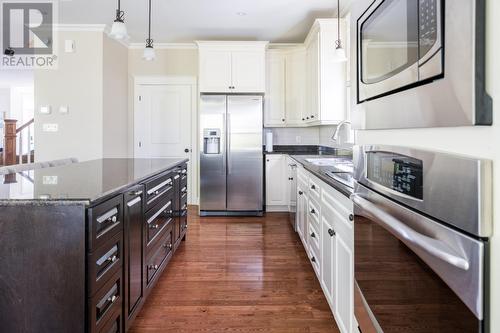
(50, 180)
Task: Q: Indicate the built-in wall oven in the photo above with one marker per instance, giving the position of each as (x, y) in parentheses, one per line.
(419, 63)
(421, 227)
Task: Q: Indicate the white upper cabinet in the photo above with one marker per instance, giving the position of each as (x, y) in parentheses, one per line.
(232, 67)
(314, 83)
(275, 109)
(285, 84)
(326, 78)
(295, 97)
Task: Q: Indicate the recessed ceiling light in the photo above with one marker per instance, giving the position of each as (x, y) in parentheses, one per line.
(241, 14)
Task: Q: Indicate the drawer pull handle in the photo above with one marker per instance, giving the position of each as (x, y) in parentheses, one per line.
(167, 246)
(133, 202)
(158, 187)
(156, 226)
(155, 267)
(313, 235)
(331, 232)
(184, 189)
(108, 216)
(108, 256)
(135, 193)
(162, 209)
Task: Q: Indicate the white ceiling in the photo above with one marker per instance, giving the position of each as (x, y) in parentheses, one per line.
(175, 21)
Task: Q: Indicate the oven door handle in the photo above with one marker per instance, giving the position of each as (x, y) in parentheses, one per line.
(409, 236)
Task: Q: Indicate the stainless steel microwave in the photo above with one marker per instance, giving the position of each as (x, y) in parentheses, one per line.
(419, 63)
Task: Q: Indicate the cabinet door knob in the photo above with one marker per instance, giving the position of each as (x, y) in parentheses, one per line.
(312, 116)
(313, 211)
(300, 192)
(313, 259)
(283, 119)
(351, 217)
(331, 232)
(112, 259)
(313, 187)
(303, 119)
(313, 235)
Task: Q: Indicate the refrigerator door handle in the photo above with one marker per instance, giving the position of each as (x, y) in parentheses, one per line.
(228, 138)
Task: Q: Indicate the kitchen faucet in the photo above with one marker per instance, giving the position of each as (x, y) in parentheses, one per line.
(335, 136)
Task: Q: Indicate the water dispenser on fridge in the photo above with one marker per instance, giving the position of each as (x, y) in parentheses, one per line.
(211, 141)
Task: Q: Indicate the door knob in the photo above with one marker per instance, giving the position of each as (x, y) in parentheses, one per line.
(186, 150)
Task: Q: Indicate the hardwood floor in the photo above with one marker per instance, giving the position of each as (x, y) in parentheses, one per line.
(238, 275)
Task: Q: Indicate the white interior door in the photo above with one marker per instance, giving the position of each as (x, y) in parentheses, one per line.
(163, 124)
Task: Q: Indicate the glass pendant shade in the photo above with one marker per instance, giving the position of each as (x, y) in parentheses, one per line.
(119, 30)
(340, 55)
(149, 53)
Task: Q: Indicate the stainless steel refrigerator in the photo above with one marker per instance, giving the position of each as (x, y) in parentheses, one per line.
(231, 159)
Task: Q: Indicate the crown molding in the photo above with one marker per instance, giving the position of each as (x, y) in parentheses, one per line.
(165, 46)
(80, 27)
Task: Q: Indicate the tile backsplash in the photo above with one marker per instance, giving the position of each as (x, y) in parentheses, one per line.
(318, 135)
(294, 136)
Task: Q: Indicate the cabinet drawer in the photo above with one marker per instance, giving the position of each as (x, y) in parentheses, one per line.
(184, 176)
(159, 188)
(315, 259)
(104, 262)
(313, 213)
(314, 188)
(313, 237)
(114, 324)
(157, 219)
(159, 254)
(184, 196)
(104, 221)
(105, 303)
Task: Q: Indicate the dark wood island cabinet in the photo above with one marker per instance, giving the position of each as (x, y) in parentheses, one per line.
(83, 247)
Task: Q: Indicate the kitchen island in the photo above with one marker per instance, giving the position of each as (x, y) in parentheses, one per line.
(82, 245)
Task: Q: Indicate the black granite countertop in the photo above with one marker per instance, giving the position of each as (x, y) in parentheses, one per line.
(343, 181)
(85, 181)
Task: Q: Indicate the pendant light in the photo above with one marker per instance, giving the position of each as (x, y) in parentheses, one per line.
(339, 50)
(118, 29)
(149, 51)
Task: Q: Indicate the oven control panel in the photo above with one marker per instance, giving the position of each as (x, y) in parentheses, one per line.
(400, 173)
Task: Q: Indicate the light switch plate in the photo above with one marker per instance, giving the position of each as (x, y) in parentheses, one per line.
(64, 109)
(50, 127)
(69, 46)
(45, 109)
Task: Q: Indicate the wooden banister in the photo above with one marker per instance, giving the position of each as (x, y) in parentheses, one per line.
(9, 147)
(25, 125)
(11, 134)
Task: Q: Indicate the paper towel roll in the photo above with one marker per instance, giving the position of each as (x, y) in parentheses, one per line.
(269, 142)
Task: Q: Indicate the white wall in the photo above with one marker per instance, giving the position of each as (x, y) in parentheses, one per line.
(92, 82)
(5, 101)
(475, 141)
(115, 99)
(78, 84)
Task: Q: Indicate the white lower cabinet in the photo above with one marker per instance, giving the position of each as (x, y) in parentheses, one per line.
(276, 183)
(326, 230)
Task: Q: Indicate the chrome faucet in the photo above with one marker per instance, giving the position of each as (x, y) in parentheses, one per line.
(335, 136)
